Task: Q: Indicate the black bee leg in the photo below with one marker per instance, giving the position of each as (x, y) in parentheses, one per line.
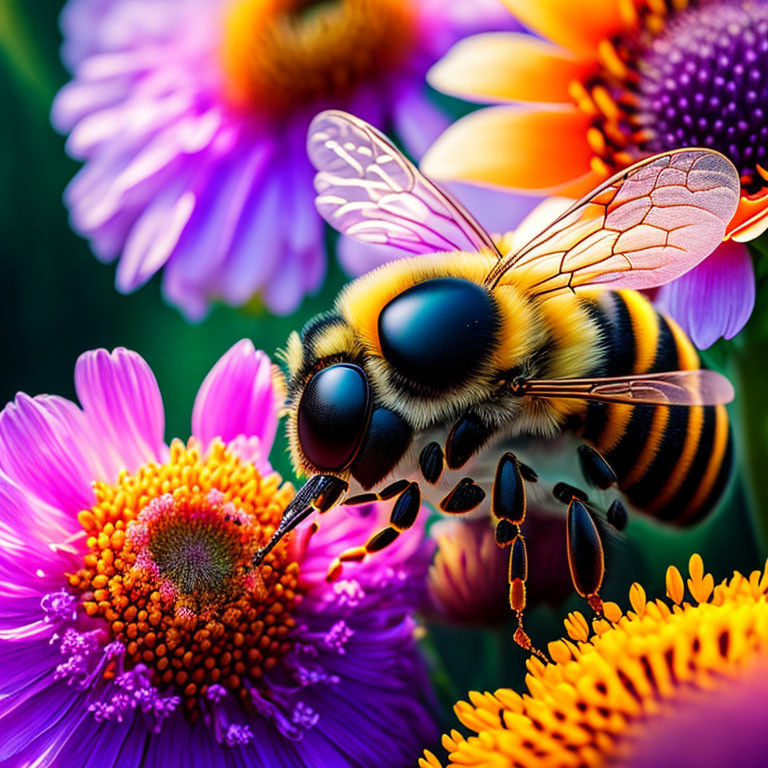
(595, 468)
(564, 493)
(508, 504)
(466, 437)
(617, 515)
(465, 496)
(404, 514)
(392, 490)
(431, 462)
(585, 554)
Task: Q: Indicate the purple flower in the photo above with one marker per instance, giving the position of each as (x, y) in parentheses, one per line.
(191, 115)
(133, 629)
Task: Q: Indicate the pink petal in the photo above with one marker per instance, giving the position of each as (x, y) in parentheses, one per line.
(29, 564)
(122, 403)
(715, 298)
(236, 398)
(45, 447)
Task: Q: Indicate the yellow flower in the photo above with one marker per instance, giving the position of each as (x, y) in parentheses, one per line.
(620, 79)
(663, 676)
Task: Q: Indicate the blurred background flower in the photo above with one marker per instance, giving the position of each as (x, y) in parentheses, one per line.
(467, 583)
(132, 626)
(615, 81)
(666, 684)
(191, 119)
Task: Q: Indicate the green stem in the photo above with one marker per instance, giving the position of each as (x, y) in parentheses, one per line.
(751, 361)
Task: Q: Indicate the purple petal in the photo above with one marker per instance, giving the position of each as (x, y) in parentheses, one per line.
(45, 447)
(301, 267)
(715, 298)
(122, 402)
(153, 237)
(29, 565)
(257, 243)
(236, 398)
(417, 121)
(357, 258)
(496, 210)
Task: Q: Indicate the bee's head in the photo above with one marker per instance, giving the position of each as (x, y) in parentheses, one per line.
(336, 426)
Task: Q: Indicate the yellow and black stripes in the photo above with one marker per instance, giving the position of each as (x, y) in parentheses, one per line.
(672, 462)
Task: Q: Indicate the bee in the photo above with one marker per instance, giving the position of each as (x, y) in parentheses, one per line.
(444, 377)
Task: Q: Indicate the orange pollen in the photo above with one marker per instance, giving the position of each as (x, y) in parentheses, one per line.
(617, 135)
(169, 568)
(283, 55)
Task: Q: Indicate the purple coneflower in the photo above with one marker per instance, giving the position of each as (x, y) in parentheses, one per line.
(615, 81)
(133, 631)
(191, 116)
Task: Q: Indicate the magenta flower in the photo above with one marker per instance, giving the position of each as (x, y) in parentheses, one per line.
(133, 630)
(191, 116)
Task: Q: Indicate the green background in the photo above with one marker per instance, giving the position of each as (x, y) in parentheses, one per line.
(57, 300)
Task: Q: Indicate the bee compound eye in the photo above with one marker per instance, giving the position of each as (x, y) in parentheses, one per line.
(333, 416)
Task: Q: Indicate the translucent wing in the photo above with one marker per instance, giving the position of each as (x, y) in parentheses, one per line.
(366, 189)
(670, 388)
(642, 228)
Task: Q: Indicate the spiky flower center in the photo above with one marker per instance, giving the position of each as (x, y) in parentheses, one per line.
(705, 83)
(169, 570)
(280, 56)
(688, 74)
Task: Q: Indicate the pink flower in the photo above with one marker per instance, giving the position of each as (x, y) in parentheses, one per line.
(132, 625)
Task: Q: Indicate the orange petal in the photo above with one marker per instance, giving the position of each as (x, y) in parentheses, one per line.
(578, 26)
(514, 147)
(750, 219)
(507, 66)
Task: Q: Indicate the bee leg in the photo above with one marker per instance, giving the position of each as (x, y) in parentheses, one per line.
(564, 493)
(403, 516)
(617, 515)
(595, 468)
(465, 496)
(431, 462)
(585, 554)
(508, 504)
(466, 437)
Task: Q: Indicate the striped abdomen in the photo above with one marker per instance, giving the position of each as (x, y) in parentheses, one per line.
(671, 462)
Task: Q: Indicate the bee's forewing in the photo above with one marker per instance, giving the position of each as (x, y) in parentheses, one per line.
(640, 229)
(368, 190)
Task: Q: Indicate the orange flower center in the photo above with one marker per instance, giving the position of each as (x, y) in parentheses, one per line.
(284, 55)
(169, 568)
